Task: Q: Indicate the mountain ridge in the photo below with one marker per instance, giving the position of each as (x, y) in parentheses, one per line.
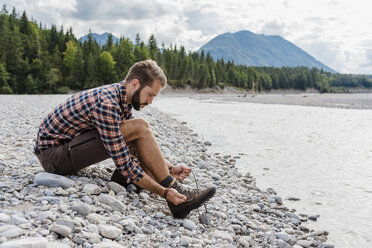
(100, 38)
(247, 48)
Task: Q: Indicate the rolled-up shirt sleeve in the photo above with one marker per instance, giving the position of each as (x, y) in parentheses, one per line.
(106, 119)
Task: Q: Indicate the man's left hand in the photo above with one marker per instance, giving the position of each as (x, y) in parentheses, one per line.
(180, 172)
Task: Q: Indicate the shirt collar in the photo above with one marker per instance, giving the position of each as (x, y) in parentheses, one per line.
(125, 106)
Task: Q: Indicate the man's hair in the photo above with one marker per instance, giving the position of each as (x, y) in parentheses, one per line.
(146, 72)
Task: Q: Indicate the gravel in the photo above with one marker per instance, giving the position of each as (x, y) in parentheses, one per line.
(86, 210)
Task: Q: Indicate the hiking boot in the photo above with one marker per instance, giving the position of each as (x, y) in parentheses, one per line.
(117, 177)
(194, 199)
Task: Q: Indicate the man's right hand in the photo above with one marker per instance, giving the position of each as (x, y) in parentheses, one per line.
(174, 197)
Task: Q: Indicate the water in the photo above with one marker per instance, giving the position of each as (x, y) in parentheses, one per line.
(321, 155)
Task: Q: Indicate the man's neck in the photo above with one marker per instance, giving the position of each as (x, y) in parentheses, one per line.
(128, 92)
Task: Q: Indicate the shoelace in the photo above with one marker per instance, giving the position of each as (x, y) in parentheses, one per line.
(189, 193)
(203, 217)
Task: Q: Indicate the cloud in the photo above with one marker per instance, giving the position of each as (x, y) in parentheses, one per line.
(274, 28)
(119, 9)
(207, 21)
(335, 32)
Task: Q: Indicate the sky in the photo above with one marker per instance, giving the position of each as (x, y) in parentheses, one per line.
(335, 32)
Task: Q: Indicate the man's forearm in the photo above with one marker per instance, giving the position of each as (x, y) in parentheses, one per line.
(151, 185)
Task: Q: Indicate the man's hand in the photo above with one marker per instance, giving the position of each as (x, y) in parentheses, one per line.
(175, 197)
(180, 172)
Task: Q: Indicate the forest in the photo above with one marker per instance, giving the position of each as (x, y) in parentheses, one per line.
(35, 59)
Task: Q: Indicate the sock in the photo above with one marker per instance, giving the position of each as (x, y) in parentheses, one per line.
(166, 181)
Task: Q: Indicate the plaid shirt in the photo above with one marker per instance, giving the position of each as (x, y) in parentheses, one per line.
(103, 108)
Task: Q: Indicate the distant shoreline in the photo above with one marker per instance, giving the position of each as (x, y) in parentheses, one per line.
(358, 99)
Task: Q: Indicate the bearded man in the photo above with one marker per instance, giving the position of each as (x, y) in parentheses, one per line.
(96, 124)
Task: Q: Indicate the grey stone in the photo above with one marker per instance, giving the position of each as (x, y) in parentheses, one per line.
(128, 225)
(65, 222)
(17, 220)
(108, 244)
(324, 245)
(52, 180)
(313, 217)
(143, 195)
(277, 199)
(51, 199)
(10, 231)
(222, 235)
(91, 189)
(81, 208)
(116, 187)
(26, 243)
(295, 221)
(44, 215)
(185, 241)
(189, 224)
(304, 243)
(283, 236)
(111, 201)
(57, 245)
(110, 232)
(159, 215)
(95, 218)
(131, 188)
(64, 231)
(275, 212)
(205, 219)
(94, 238)
(243, 242)
(4, 217)
(283, 244)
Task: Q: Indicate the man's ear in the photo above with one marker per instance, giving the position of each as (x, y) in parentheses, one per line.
(135, 84)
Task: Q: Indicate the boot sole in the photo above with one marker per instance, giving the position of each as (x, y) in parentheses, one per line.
(184, 212)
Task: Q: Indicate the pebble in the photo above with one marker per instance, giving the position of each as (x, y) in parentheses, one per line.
(92, 189)
(222, 235)
(111, 201)
(283, 236)
(81, 208)
(116, 187)
(64, 231)
(4, 217)
(313, 217)
(17, 220)
(26, 243)
(52, 180)
(10, 231)
(109, 244)
(185, 241)
(110, 232)
(304, 243)
(189, 224)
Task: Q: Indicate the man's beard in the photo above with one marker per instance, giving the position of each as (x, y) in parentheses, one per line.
(136, 101)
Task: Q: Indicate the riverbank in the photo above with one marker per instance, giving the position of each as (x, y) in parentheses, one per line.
(360, 99)
(88, 211)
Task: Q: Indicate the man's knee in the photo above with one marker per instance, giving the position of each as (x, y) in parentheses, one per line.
(135, 128)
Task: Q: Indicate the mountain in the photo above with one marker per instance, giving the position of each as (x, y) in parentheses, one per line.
(100, 38)
(247, 48)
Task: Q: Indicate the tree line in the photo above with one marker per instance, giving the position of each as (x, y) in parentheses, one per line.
(39, 60)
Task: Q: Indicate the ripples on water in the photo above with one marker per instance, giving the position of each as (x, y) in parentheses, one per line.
(321, 155)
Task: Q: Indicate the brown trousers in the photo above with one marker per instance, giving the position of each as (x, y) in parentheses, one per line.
(82, 151)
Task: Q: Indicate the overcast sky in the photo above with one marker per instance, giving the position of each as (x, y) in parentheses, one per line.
(335, 32)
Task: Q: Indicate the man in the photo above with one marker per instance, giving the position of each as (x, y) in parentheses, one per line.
(96, 124)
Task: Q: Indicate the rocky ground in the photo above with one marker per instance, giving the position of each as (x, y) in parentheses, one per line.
(86, 210)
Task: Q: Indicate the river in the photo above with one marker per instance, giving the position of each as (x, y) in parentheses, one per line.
(323, 156)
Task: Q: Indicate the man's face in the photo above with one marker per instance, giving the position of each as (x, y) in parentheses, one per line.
(145, 96)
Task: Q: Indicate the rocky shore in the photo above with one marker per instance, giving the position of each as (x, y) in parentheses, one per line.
(38, 209)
